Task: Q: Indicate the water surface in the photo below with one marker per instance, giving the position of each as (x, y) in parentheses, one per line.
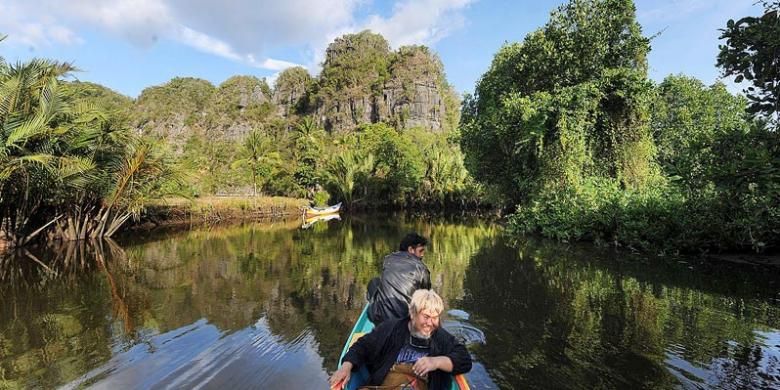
(269, 306)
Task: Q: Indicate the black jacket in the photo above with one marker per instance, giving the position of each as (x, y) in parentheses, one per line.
(402, 275)
(379, 349)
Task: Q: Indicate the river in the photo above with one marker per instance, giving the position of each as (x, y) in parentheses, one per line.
(270, 305)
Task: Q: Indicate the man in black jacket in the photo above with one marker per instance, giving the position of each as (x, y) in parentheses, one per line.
(403, 273)
(414, 347)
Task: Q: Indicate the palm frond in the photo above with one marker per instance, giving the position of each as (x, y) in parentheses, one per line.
(68, 167)
(31, 128)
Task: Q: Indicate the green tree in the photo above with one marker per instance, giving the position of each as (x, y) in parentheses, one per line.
(751, 53)
(347, 172)
(308, 138)
(65, 159)
(399, 165)
(568, 102)
(688, 119)
(445, 178)
(258, 157)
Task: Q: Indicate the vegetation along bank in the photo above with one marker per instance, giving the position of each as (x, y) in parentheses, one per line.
(565, 131)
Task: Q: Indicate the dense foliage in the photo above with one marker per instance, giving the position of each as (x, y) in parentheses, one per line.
(569, 102)
(69, 164)
(293, 91)
(355, 61)
(567, 126)
(751, 52)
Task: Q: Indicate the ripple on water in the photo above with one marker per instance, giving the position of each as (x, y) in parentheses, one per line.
(738, 367)
(200, 355)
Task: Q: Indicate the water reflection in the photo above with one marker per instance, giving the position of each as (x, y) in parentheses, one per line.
(233, 306)
(270, 305)
(567, 317)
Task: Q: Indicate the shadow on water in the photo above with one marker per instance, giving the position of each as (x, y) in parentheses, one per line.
(270, 306)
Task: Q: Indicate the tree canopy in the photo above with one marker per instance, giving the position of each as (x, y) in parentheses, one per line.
(570, 101)
(751, 52)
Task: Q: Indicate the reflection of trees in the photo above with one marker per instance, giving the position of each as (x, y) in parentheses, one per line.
(54, 321)
(571, 318)
(553, 316)
(99, 297)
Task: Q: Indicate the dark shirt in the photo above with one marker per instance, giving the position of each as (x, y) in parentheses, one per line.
(402, 275)
(410, 353)
(380, 349)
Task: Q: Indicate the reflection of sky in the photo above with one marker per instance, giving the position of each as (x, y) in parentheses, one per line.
(758, 368)
(201, 356)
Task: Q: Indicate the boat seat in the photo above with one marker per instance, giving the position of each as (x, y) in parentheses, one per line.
(355, 338)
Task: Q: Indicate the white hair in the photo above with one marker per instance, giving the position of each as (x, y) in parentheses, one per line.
(425, 300)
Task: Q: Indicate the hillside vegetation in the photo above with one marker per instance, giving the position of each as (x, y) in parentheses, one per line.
(565, 130)
(376, 129)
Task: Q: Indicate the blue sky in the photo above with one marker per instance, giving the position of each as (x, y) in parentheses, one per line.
(129, 45)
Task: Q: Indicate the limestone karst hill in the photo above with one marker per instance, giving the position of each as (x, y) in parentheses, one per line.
(362, 81)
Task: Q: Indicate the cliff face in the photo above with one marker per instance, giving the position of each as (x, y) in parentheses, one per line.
(416, 92)
(421, 105)
(172, 110)
(362, 81)
(240, 104)
(416, 104)
(291, 91)
(186, 106)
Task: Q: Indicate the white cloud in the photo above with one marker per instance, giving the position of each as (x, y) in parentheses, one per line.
(415, 22)
(252, 25)
(24, 30)
(238, 30)
(206, 43)
(272, 64)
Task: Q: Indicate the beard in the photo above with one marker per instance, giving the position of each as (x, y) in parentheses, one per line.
(417, 334)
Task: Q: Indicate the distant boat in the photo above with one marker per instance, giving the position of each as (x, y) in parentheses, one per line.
(315, 211)
(363, 326)
(309, 221)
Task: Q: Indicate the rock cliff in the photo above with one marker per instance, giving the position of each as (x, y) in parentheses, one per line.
(291, 91)
(362, 81)
(186, 106)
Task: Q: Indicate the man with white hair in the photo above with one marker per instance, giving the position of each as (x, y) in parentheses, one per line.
(411, 351)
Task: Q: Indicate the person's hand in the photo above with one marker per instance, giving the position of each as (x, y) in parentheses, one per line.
(425, 365)
(340, 378)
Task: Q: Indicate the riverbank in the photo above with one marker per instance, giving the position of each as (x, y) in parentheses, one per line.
(217, 209)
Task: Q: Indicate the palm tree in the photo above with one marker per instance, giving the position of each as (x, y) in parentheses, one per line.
(347, 170)
(64, 160)
(308, 139)
(40, 131)
(307, 133)
(444, 174)
(258, 155)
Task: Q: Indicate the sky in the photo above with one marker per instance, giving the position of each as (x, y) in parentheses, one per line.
(129, 45)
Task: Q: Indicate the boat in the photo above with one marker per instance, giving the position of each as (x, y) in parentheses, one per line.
(314, 211)
(363, 326)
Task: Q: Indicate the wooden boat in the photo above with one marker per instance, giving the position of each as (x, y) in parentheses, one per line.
(363, 326)
(314, 211)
